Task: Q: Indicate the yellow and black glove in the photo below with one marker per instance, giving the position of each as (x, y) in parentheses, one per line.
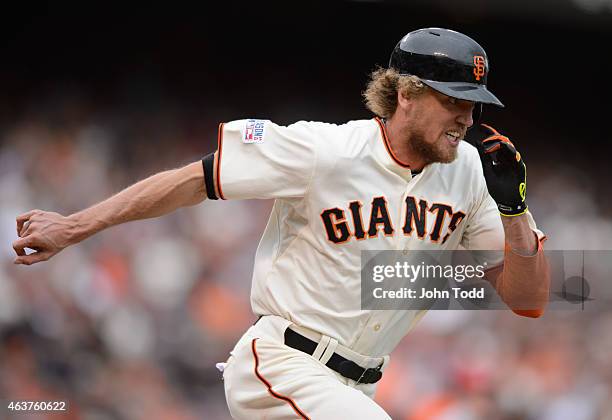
(503, 167)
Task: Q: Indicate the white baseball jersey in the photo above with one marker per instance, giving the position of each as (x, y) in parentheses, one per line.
(339, 190)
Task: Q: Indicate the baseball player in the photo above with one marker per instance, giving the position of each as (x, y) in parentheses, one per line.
(404, 180)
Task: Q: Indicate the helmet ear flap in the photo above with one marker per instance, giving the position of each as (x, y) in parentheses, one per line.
(477, 113)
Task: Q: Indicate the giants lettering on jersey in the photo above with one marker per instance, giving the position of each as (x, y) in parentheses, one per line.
(341, 228)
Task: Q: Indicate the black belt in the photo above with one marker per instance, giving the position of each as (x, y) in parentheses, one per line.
(344, 367)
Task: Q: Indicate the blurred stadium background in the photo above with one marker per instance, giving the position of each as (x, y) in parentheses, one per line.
(129, 324)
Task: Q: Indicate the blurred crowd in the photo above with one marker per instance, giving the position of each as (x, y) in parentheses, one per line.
(130, 323)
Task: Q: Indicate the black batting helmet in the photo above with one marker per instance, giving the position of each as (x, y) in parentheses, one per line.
(447, 61)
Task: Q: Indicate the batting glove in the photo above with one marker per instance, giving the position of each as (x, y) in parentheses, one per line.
(503, 167)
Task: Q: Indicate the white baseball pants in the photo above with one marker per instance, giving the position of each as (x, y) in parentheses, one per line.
(265, 379)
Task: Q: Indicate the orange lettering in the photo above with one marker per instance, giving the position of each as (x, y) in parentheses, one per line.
(479, 70)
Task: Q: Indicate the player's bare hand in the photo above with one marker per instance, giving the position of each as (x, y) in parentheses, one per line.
(46, 233)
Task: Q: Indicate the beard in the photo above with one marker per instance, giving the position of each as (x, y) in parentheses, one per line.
(437, 152)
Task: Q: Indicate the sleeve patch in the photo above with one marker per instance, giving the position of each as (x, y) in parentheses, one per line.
(254, 131)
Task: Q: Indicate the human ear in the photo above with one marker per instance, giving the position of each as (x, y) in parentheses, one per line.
(403, 99)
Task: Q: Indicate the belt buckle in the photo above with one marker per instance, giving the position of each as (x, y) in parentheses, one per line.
(371, 371)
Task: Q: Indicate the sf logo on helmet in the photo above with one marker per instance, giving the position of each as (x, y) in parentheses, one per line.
(479, 70)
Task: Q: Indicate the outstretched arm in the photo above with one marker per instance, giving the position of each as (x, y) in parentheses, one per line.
(48, 233)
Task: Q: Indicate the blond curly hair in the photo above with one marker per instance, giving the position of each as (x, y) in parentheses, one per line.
(380, 94)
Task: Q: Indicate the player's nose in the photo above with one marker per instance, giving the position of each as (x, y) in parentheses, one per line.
(465, 117)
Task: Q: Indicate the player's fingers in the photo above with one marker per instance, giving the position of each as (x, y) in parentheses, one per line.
(492, 148)
(25, 216)
(29, 229)
(505, 145)
(31, 242)
(22, 232)
(33, 258)
(26, 229)
(497, 137)
(507, 155)
(22, 219)
(508, 149)
(18, 247)
(494, 131)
